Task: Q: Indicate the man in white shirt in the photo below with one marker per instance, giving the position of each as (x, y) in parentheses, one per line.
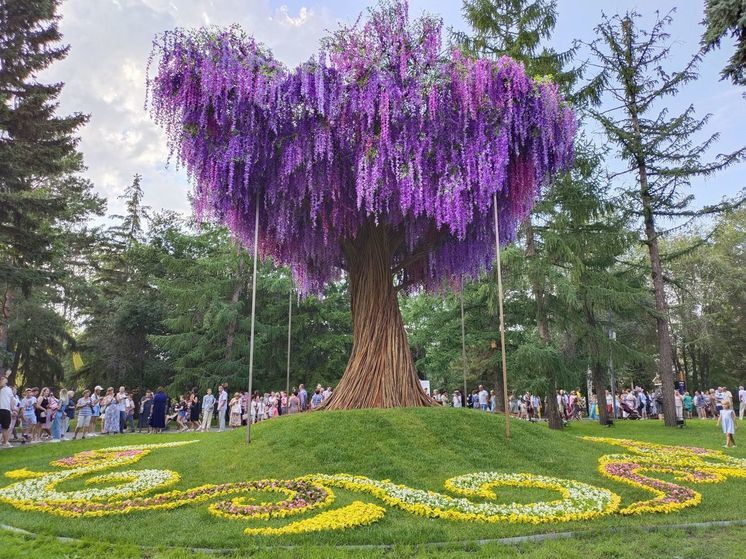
(741, 402)
(222, 406)
(483, 398)
(208, 403)
(6, 406)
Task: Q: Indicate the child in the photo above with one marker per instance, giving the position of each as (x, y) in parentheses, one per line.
(727, 419)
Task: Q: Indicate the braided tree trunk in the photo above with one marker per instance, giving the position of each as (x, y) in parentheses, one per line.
(380, 372)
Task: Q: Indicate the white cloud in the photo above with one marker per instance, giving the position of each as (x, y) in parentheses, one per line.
(105, 76)
(287, 19)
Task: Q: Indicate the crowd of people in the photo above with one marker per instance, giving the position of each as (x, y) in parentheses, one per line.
(36, 414)
(629, 403)
(638, 403)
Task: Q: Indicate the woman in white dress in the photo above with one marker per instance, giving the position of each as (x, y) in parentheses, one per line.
(727, 419)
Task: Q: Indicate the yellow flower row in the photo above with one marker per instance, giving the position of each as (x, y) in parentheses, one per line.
(352, 516)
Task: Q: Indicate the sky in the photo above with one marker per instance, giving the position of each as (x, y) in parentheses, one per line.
(110, 41)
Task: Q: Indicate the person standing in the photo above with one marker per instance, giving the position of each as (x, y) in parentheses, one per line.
(688, 405)
(317, 398)
(111, 413)
(15, 414)
(158, 413)
(679, 401)
(194, 410)
(42, 401)
(222, 407)
(6, 408)
(699, 404)
(208, 405)
(69, 411)
(293, 403)
(64, 400)
(593, 411)
(741, 402)
(235, 405)
(303, 397)
(457, 402)
(146, 409)
(483, 398)
(727, 419)
(96, 406)
(121, 398)
(28, 417)
(129, 412)
(85, 412)
(55, 414)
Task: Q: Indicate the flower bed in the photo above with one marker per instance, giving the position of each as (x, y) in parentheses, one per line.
(136, 490)
(694, 464)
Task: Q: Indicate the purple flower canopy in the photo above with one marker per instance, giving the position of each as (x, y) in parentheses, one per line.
(380, 127)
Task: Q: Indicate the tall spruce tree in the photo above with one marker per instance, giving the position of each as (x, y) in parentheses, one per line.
(123, 308)
(658, 149)
(723, 18)
(586, 238)
(43, 198)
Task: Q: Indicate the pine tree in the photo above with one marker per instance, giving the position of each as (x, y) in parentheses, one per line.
(659, 149)
(43, 198)
(722, 18)
(131, 226)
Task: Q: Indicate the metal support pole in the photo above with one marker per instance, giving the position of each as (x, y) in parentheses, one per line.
(290, 323)
(612, 337)
(253, 317)
(502, 320)
(463, 341)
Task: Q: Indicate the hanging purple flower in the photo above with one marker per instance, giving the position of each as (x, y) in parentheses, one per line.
(381, 127)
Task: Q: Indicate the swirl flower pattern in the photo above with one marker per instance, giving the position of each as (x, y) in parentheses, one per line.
(123, 492)
(694, 464)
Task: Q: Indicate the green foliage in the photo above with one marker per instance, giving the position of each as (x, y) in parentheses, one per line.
(44, 201)
(172, 307)
(708, 303)
(727, 18)
(661, 151)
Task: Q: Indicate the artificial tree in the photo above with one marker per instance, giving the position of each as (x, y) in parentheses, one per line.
(380, 157)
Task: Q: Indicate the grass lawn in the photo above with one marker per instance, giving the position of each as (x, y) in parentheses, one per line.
(420, 448)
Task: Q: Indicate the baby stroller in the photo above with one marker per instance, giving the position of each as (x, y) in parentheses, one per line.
(631, 412)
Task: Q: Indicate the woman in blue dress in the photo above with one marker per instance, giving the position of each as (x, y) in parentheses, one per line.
(158, 414)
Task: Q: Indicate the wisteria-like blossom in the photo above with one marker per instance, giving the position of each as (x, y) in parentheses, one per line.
(382, 126)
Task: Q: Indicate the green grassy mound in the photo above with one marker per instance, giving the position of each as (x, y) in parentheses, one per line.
(420, 448)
